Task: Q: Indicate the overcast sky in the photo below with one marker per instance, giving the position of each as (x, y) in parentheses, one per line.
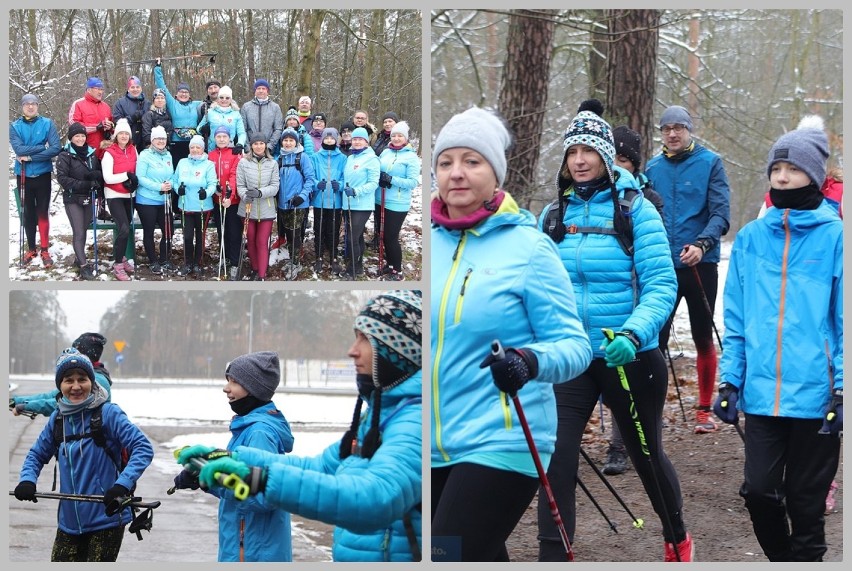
(84, 309)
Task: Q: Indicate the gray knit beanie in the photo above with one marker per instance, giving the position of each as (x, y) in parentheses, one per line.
(481, 131)
(29, 98)
(676, 115)
(806, 147)
(258, 373)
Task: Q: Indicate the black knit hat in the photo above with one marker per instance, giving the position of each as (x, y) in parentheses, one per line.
(90, 344)
(392, 322)
(628, 144)
(76, 129)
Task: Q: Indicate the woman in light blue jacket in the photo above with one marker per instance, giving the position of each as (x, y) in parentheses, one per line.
(368, 485)
(400, 174)
(225, 112)
(494, 276)
(360, 178)
(155, 170)
(329, 164)
(616, 251)
(194, 181)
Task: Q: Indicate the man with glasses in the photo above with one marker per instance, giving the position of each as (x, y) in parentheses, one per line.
(691, 180)
(362, 119)
(94, 114)
(262, 115)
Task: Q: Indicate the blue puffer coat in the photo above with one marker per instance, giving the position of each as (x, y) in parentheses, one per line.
(195, 172)
(404, 166)
(328, 166)
(501, 279)
(783, 346)
(86, 468)
(695, 191)
(295, 181)
(613, 290)
(265, 529)
(365, 498)
(153, 168)
(362, 174)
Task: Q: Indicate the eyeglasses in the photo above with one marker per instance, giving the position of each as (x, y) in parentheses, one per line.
(676, 129)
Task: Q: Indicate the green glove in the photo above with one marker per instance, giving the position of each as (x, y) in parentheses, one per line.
(619, 351)
(225, 466)
(198, 451)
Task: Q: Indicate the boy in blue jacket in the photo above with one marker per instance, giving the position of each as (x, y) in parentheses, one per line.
(782, 363)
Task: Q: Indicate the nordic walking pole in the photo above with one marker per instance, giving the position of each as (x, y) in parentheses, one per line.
(23, 213)
(596, 504)
(230, 481)
(382, 232)
(243, 245)
(706, 304)
(167, 224)
(95, 227)
(676, 381)
(497, 351)
(120, 502)
(643, 442)
(638, 523)
(351, 234)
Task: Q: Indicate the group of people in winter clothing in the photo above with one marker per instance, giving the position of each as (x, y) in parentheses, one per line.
(586, 301)
(368, 485)
(168, 161)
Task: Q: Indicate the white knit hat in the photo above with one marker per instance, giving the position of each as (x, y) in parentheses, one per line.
(122, 126)
(402, 128)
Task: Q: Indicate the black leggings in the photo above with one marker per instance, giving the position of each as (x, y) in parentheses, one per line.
(392, 226)
(36, 204)
(79, 216)
(575, 400)
(233, 232)
(476, 508)
(355, 236)
(328, 237)
(194, 227)
(151, 216)
(120, 209)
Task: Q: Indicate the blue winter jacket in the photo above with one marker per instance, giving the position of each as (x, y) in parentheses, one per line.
(295, 181)
(696, 195)
(184, 115)
(195, 172)
(45, 403)
(362, 174)
(328, 166)
(404, 166)
(37, 139)
(265, 529)
(228, 117)
(86, 468)
(612, 289)
(501, 279)
(153, 168)
(366, 499)
(783, 345)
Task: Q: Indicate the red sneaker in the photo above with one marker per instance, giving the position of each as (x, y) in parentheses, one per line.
(46, 259)
(685, 549)
(29, 256)
(281, 241)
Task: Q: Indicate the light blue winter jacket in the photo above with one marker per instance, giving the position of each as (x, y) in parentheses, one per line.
(153, 168)
(501, 279)
(366, 499)
(195, 172)
(695, 191)
(404, 166)
(783, 345)
(328, 166)
(228, 117)
(86, 468)
(265, 529)
(295, 182)
(362, 174)
(612, 289)
(184, 115)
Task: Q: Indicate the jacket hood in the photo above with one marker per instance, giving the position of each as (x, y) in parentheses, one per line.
(269, 416)
(801, 220)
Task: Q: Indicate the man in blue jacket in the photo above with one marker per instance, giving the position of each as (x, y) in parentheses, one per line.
(692, 182)
(35, 142)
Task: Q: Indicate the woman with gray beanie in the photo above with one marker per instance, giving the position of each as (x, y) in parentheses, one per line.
(368, 485)
(494, 276)
(248, 529)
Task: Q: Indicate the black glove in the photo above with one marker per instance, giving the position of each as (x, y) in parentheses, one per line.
(92, 175)
(297, 201)
(335, 186)
(833, 421)
(253, 193)
(137, 117)
(218, 188)
(237, 149)
(385, 180)
(116, 498)
(182, 189)
(725, 406)
(228, 190)
(513, 370)
(187, 480)
(26, 492)
(321, 185)
(132, 182)
(202, 193)
(349, 190)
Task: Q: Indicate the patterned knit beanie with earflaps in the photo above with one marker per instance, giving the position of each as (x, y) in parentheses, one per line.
(392, 322)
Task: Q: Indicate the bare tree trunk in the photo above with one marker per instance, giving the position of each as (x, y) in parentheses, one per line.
(632, 71)
(523, 96)
(376, 17)
(250, 49)
(692, 100)
(309, 55)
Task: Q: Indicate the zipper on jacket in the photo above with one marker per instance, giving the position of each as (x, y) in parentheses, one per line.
(460, 301)
(779, 336)
(242, 539)
(386, 555)
(442, 316)
(580, 274)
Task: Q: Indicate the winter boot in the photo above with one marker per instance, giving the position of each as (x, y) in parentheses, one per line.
(616, 461)
(86, 273)
(335, 267)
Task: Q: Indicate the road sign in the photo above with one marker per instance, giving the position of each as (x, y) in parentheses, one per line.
(119, 345)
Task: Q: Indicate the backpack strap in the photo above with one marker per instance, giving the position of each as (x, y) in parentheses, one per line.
(557, 230)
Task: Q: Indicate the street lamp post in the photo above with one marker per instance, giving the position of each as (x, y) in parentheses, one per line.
(251, 319)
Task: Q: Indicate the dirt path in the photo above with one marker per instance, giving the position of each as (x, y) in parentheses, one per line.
(710, 468)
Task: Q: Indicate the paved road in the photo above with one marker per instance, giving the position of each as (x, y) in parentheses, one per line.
(185, 526)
